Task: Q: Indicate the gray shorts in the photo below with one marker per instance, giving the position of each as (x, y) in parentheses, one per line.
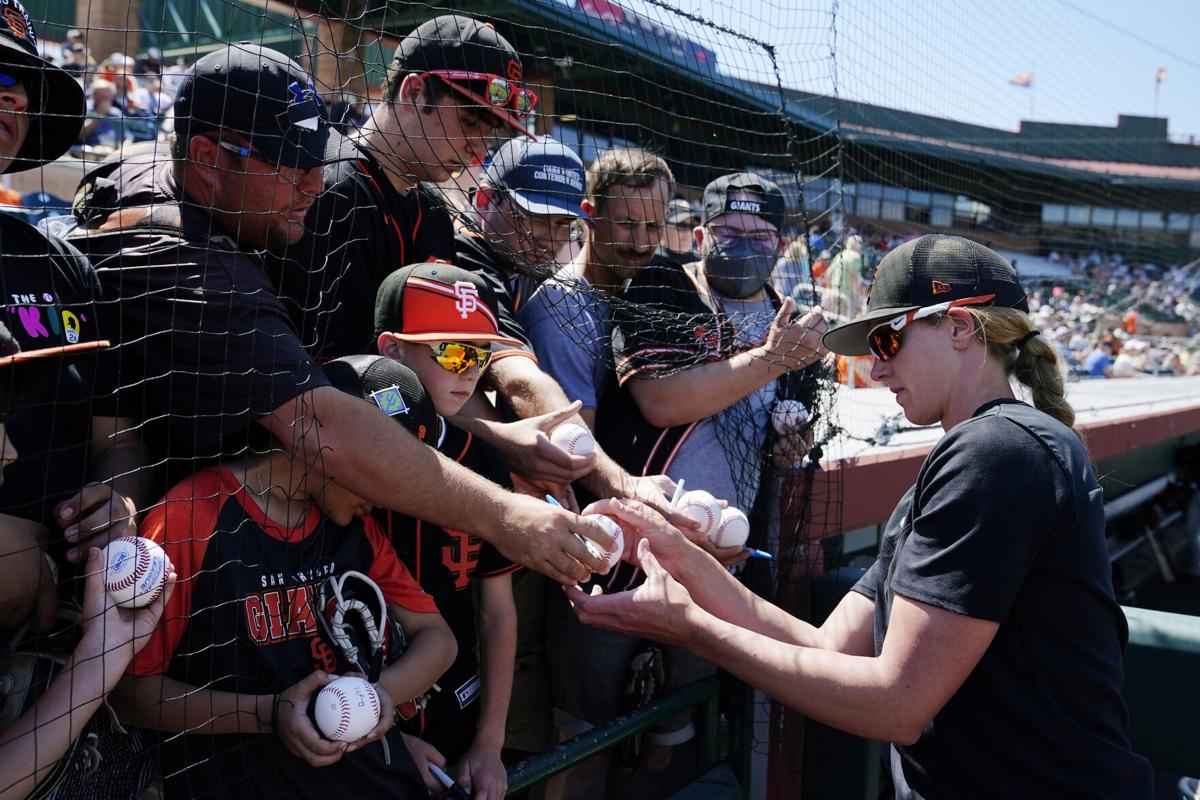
(589, 668)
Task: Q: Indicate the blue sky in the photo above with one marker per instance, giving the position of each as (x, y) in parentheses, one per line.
(1091, 59)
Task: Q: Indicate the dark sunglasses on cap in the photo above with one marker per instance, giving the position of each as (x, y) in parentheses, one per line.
(885, 339)
(458, 358)
(501, 92)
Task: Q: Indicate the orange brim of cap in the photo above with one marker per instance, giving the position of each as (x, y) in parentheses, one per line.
(49, 352)
(458, 336)
(502, 113)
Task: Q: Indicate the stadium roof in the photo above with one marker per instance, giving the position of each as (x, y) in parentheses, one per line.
(673, 92)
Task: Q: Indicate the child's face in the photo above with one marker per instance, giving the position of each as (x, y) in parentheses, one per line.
(340, 504)
(449, 391)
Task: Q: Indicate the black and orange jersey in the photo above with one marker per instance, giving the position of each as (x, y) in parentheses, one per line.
(446, 563)
(243, 619)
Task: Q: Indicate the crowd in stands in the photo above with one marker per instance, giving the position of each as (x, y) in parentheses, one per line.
(1106, 317)
(328, 393)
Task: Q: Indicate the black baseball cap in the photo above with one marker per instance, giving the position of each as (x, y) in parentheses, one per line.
(261, 94)
(436, 301)
(56, 102)
(925, 272)
(393, 388)
(719, 198)
(456, 43)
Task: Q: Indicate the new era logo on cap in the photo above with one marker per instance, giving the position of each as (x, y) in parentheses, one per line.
(938, 287)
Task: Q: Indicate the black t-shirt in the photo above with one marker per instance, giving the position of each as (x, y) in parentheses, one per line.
(203, 347)
(360, 230)
(472, 252)
(447, 564)
(1006, 523)
(49, 294)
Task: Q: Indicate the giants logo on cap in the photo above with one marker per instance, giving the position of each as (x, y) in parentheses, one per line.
(749, 206)
(17, 21)
(466, 298)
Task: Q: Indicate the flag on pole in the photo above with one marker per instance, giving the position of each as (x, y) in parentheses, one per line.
(1160, 75)
(1024, 80)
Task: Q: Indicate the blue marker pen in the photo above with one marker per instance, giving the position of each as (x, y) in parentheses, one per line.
(763, 554)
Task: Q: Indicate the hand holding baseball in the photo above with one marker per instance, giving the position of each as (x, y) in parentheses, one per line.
(527, 446)
(658, 609)
(109, 629)
(296, 731)
(387, 719)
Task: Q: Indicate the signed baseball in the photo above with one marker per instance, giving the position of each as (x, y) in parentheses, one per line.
(733, 530)
(788, 415)
(135, 571)
(347, 709)
(610, 559)
(575, 439)
(702, 507)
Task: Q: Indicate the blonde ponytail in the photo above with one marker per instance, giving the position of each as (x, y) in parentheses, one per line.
(1034, 363)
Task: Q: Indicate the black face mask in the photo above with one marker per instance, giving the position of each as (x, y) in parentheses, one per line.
(738, 270)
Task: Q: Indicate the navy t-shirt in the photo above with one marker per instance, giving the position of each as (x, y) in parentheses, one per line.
(1006, 523)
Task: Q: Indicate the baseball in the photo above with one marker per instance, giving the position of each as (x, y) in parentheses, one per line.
(610, 559)
(733, 530)
(702, 507)
(347, 709)
(788, 415)
(135, 571)
(575, 439)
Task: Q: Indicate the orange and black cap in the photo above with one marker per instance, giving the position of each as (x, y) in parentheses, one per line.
(437, 302)
(932, 269)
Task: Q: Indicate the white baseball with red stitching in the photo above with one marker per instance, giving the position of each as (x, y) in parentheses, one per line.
(135, 571)
(609, 558)
(575, 439)
(733, 530)
(702, 507)
(788, 415)
(347, 709)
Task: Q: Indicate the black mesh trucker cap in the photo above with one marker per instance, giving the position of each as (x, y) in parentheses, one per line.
(261, 94)
(456, 43)
(719, 198)
(391, 386)
(925, 272)
(56, 103)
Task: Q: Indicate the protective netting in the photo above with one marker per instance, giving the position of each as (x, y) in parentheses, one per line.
(867, 143)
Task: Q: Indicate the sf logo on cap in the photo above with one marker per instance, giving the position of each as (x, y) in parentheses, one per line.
(466, 298)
